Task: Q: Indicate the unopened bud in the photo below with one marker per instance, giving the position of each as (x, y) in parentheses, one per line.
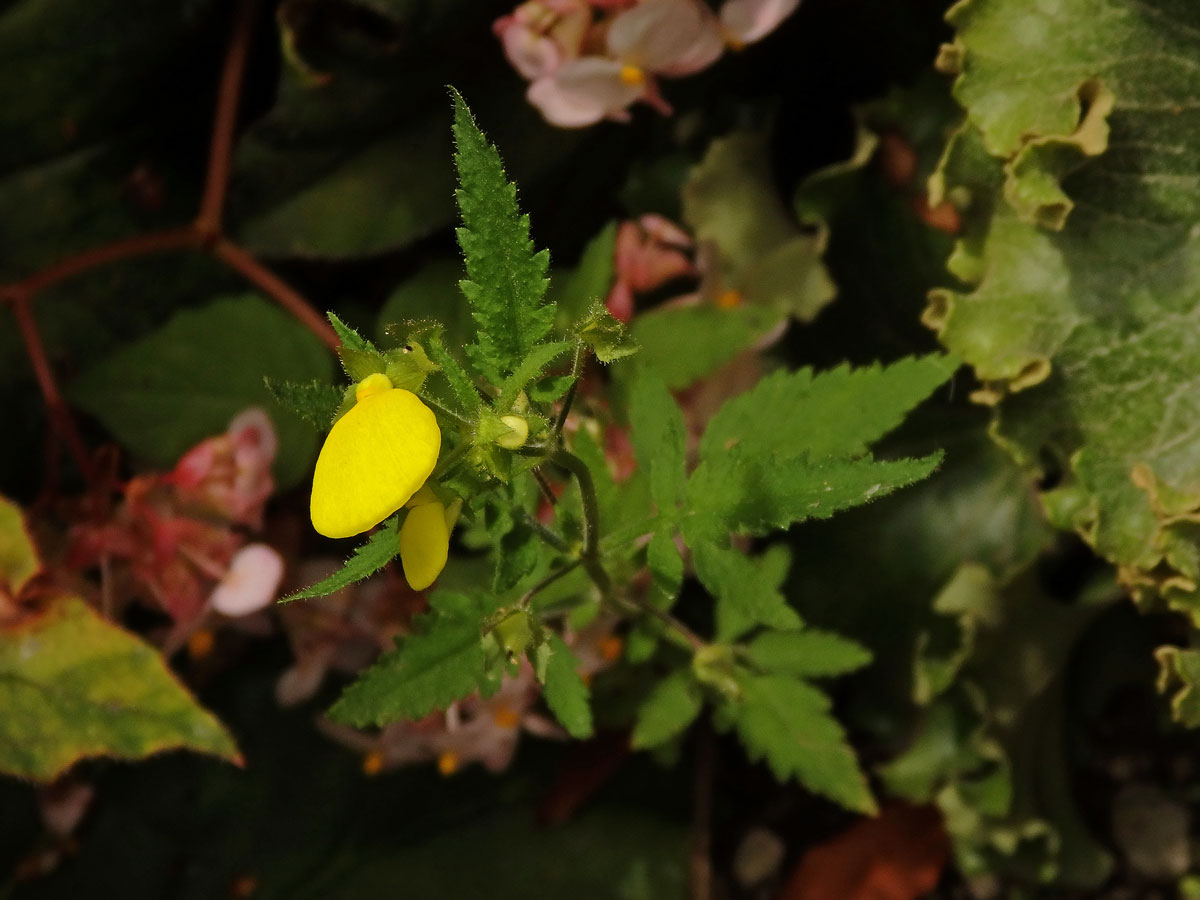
(517, 434)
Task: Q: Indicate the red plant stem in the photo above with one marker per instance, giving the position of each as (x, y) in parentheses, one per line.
(60, 416)
(204, 232)
(276, 288)
(105, 254)
(216, 182)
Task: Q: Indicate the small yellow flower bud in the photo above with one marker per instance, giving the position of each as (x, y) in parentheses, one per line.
(372, 385)
(517, 435)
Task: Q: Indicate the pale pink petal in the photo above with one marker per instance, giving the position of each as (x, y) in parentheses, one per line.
(253, 427)
(664, 231)
(668, 37)
(582, 92)
(620, 301)
(533, 55)
(251, 583)
(750, 20)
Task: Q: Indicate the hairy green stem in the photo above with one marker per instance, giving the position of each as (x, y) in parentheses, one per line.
(528, 596)
(550, 537)
(576, 369)
(589, 555)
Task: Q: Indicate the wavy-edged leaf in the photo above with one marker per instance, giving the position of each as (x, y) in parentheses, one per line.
(73, 686)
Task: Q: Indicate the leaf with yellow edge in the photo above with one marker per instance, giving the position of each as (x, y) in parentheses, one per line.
(375, 458)
(18, 556)
(73, 685)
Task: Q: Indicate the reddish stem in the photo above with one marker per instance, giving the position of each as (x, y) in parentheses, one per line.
(220, 153)
(128, 248)
(60, 416)
(276, 288)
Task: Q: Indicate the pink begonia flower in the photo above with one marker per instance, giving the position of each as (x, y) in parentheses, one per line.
(648, 253)
(671, 38)
(251, 583)
(231, 473)
(539, 36)
(746, 21)
(172, 555)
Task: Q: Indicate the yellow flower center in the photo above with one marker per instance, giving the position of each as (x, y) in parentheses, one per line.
(448, 763)
(372, 763)
(632, 75)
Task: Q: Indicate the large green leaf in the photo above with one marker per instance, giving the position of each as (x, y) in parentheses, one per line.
(787, 722)
(184, 382)
(73, 685)
(1077, 174)
(429, 670)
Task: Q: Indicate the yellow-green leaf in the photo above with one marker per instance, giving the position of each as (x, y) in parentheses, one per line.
(18, 556)
(73, 685)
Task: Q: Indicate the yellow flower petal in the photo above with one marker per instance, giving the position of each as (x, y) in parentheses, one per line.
(375, 458)
(424, 544)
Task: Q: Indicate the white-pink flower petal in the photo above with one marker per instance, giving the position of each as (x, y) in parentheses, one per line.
(666, 37)
(750, 20)
(251, 583)
(582, 92)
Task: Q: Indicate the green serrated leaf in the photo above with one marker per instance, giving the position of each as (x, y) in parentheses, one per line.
(517, 554)
(316, 402)
(834, 413)
(456, 376)
(408, 367)
(756, 495)
(747, 593)
(429, 670)
(671, 707)
(787, 723)
(367, 560)
(666, 566)
(530, 368)
(73, 685)
(711, 336)
(658, 434)
(350, 338)
(565, 692)
(166, 392)
(807, 653)
(550, 389)
(605, 335)
(506, 280)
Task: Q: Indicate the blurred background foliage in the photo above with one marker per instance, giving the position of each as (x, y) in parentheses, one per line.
(1013, 684)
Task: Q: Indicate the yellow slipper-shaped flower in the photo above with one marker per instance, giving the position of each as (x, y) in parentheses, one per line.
(375, 458)
(425, 539)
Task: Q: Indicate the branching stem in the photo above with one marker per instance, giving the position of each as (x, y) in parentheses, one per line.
(590, 554)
